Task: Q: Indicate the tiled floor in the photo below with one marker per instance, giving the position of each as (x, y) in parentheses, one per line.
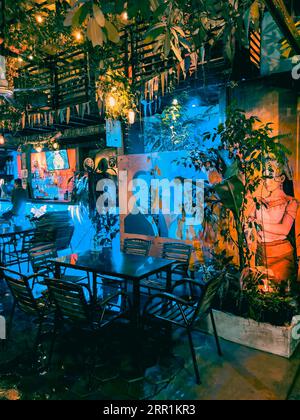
(148, 367)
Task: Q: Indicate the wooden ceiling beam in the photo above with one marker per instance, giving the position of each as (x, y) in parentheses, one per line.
(285, 22)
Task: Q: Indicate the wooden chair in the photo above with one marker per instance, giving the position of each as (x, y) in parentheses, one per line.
(21, 288)
(135, 246)
(181, 253)
(177, 251)
(132, 246)
(183, 311)
(72, 307)
(40, 257)
(10, 254)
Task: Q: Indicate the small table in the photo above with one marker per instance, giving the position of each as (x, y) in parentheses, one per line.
(133, 268)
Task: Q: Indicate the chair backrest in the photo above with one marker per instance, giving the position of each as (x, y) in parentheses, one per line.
(137, 246)
(39, 257)
(55, 227)
(177, 251)
(209, 293)
(64, 235)
(21, 291)
(69, 300)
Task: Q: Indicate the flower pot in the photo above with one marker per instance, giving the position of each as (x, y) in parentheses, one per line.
(281, 341)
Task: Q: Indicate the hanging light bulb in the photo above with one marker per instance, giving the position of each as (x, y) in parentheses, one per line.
(78, 36)
(2, 139)
(38, 148)
(39, 19)
(131, 116)
(124, 16)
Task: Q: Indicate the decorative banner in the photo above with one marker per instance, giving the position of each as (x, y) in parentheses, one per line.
(114, 137)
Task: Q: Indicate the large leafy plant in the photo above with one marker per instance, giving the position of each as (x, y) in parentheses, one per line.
(241, 156)
(178, 27)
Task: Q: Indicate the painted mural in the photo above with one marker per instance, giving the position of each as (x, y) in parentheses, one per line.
(154, 220)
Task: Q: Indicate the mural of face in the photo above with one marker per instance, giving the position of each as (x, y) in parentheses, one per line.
(274, 182)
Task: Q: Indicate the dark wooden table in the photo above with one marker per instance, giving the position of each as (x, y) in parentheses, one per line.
(132, 268)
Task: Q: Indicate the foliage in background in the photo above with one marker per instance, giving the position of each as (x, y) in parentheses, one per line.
(277, 307)
(114, 86)
(177, 26)
(107, 227)
(241, 156)
(10, 117)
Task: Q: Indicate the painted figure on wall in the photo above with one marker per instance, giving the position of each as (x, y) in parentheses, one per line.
(276, 217)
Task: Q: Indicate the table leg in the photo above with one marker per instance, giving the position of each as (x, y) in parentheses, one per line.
(136, 304)
(57, 271)
(169, 279)
(94, 297)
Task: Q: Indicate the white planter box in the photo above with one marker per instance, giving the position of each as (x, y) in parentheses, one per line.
(260, 336)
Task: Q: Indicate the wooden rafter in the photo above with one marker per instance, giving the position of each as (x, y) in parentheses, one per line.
(285, 22)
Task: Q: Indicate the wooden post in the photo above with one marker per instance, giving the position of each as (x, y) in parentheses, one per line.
(285, 22)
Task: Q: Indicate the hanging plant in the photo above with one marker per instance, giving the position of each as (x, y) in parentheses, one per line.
(10, 117)
(115, 92)
(98, 28)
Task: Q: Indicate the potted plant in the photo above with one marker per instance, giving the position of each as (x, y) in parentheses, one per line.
(236, 168)
(106, 228)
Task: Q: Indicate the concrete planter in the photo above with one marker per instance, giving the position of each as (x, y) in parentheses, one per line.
(260, 336)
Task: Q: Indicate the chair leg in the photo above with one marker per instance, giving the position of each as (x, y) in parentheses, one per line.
(17, 256)
(197, 374)
(216, 334)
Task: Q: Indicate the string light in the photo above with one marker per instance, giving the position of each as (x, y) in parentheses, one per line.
(112, 102)
(131, 116)
(38, 148)
(2, 139)
(124, 16)
(78, 35)
(39, 19)
(20, 59)
(30, 57)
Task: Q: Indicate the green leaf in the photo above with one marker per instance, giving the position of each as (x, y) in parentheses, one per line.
(231, 193)
(81, 14)
(112, 32)
(69, 16)
(178, 55)
(98, 15)
(167, 45)
(95, 33)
